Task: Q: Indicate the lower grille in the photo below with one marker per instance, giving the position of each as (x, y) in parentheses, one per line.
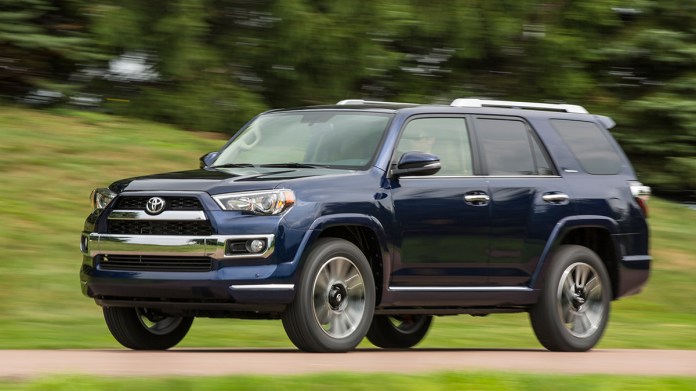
(146, 227)
(154, 263)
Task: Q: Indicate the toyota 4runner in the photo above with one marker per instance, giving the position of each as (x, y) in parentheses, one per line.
(369, 218)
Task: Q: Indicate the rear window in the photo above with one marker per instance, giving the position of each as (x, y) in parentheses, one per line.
(590, 145)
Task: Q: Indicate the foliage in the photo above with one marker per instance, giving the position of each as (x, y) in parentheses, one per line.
(216, 63)
(41, 42)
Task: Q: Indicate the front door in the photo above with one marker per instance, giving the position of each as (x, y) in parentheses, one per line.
(442, 221)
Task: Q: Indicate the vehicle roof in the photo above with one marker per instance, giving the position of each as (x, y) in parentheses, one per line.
(415, 109)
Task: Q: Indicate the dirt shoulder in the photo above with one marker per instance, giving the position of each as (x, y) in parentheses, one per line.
(206, 362)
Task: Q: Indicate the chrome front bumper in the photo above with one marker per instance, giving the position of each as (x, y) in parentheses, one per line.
(214, 246)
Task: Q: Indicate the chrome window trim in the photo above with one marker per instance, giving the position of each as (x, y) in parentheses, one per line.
(431, 177)
(459, 289)
(167, 215)
(169, 245)
(264, 287)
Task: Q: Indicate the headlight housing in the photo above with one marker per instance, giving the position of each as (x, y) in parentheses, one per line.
(100, 198)
(270, 202)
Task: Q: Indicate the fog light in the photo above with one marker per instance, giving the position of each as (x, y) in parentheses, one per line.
(84, 244)
(255, 246)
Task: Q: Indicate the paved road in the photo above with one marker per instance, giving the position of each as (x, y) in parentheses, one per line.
(195, 362)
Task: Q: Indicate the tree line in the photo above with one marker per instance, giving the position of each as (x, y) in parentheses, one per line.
(213, 64)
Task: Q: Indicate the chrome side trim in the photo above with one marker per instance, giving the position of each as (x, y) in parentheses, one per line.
(636, 258)
(431, 177)
(167, 215)
(460, 289)
(203, 246)
(264, 287)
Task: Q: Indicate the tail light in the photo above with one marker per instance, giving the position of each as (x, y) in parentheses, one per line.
(642, 194)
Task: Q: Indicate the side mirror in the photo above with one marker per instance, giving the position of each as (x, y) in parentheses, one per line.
(208, 159)
(417, 163)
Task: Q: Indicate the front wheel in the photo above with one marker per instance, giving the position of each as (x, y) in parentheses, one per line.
(399, 331)
(145, 329)
(335, 299)
(573, 309)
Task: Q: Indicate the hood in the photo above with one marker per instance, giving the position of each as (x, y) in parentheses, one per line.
(220, 180)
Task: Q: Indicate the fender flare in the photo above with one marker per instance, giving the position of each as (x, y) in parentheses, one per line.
(342, 219)
(560, 230)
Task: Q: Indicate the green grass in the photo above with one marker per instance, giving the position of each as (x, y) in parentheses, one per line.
(481, 381)
(49, 162)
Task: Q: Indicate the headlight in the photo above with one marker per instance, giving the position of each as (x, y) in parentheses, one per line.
(271, 202)
(101, 198)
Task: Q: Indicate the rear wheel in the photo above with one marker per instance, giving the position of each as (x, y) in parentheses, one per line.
(573, 309)
(335, 299)
(399, 331)
(144, 329)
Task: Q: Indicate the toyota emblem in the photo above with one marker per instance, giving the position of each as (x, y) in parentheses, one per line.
(155, 205)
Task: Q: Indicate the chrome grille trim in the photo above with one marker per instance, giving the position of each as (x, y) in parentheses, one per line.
(213, 246)
(167, 215)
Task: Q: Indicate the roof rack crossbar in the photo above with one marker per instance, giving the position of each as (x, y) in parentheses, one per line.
(466, 102)
(370, 102)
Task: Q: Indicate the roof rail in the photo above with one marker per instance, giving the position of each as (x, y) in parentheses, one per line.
(466, 102)
(370, 102)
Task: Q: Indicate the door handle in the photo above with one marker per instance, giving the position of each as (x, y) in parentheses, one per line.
(555, 198)
(478, 198)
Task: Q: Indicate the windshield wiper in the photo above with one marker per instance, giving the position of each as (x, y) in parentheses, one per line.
(294, 165)
(228, 165)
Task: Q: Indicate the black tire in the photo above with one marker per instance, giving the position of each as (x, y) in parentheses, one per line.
(573, 307)
(335, 299)
(142, 329)
(398, 332)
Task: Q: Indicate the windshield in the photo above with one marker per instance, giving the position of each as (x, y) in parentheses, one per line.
(307, 139)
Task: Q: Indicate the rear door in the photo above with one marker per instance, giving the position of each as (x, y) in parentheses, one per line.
(528, 197)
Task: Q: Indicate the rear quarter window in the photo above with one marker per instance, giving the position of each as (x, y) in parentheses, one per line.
(590, 145)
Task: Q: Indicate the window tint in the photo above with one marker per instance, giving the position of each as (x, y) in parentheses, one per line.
(334, 139)
(447, 138)
(509, 149)
(590, 146)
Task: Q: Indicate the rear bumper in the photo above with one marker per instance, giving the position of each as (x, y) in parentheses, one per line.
(633, 274)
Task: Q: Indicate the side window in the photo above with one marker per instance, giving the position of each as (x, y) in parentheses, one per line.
(589, 145)
(447, 138)
(508, 148)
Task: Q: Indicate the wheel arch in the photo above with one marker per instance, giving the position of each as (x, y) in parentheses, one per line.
(365, 232)
(593, 232)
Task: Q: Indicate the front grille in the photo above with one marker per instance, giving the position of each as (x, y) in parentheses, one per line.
(154, 263)
(147, 227)
(172, 203)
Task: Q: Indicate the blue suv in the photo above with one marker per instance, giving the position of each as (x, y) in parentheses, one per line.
(366, 219)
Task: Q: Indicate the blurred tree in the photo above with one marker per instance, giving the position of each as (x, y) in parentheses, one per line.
(197, 87)
(321, 51)
(41, 42)
(650, 83)
(212, 64)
